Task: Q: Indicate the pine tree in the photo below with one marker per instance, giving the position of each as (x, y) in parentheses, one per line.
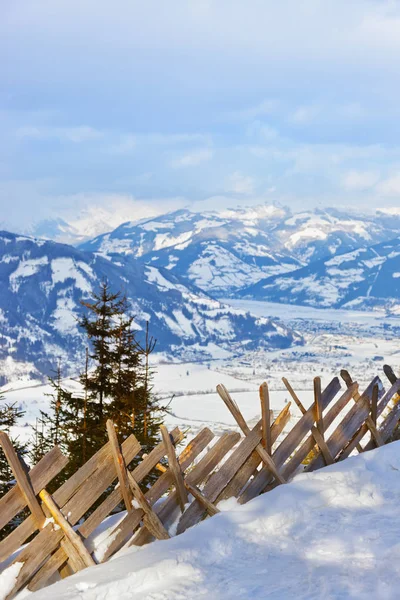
(101, 328)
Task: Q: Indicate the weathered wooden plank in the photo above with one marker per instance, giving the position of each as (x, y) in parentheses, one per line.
(35, 554)
(196, 493)
(353, 443)
(290, 443)
(120, 466)
(151, 520)
(387, 426)
(245, 472)
(115, 497)
(128, 525)
(374, 405)
(23, 479)
(98, 482)
(351, 423)
(369, 422)
(40, 475)
(265, 417)
(322, 445)
(80, 554)
(219, 480)
(234, 409)
(318, 406)
(200, 472)
(299, 456)
(294, 396)
(174, 467)
(55, 562)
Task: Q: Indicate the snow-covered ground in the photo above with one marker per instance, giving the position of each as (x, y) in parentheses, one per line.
(333, 534)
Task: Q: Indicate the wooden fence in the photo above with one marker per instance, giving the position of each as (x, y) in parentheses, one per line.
(339, 421)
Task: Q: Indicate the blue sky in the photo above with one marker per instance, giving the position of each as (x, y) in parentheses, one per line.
(155, 105)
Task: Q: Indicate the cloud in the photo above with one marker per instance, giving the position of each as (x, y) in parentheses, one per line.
(390, 186)
(239, 183)
(192, 159)
(304, 115)
(360, 180)
(264, 108)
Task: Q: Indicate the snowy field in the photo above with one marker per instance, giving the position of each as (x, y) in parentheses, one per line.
(361, 342)
(333, 534)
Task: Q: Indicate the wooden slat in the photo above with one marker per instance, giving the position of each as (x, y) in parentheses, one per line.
(322, 445)
(175, 468)
(196, 493)
(13, 502)
(128, 525)
(387, 426)
(290, 443)
(23, 480)
(318, 406)
(81, 555)
(234, 409)
(200, 472)
(369, 422)
(113, 499)
(242, 477)
(265, 417)
(44, 544)
(298, 457)
(55, 562)
(374, 405)
(294, 396)
(151, 520)
(344, 432)
(120, 466)
(219, 480)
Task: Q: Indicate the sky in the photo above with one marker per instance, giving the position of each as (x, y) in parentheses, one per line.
(128, 108)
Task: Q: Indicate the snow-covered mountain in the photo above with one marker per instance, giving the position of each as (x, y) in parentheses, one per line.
(368, 277)
(218, 252)
(223, 252)
(43, 282)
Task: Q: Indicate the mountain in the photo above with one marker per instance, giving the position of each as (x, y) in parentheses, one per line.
(222, 252)
(43, 282)
(368, 277)
(318, 234)
(216, 251)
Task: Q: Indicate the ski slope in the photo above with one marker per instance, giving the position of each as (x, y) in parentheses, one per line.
(333, 534)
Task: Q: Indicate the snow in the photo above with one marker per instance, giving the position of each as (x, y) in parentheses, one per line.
(8, 578)
(26, 268)
(66, 268)
(329, 534)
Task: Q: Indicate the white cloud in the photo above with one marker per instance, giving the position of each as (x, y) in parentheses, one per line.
(360, 180)
(238, 183)
(266, 107)
(304, 115)
(192, 159)
(390, 186)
